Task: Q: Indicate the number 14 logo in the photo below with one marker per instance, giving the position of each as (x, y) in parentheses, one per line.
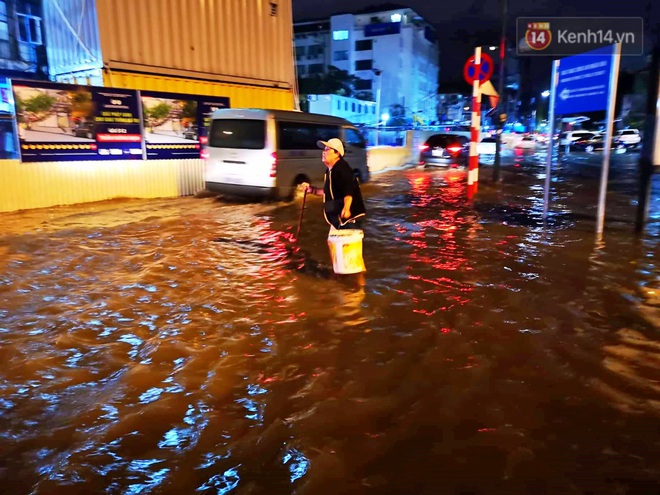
(538, 35)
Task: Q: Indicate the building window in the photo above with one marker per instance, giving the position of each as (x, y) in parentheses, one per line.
(340, 55)
(315, 51)
(340, 35)
(302, 69)
(362, 45)
(29, 29)
(315, 69)
(338, 105)
(363, 85)
(353, 107)
(301, 51)
(363, 64)
(346, 106)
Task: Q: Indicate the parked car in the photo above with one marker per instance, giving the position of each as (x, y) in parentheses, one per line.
(597, 143)
(83, 129)
(567, 138)
(443, 149)
(487, 149)
(527, 143)
(190, 133)
(630, 138)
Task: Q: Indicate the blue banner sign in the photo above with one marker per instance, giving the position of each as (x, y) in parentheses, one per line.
(382, 29)
(62, 122)
(583, 82)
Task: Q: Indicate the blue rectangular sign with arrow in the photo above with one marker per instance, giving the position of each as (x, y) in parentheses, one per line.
(583, 81)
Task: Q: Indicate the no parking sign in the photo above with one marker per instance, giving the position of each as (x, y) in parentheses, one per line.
(482, 72)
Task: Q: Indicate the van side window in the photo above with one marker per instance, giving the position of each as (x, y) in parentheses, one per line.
(354, 138)
(238, 134)
(325, 132)
(303, 136)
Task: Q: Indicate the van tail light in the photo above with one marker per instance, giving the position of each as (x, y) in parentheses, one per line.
(423, 147)
(454, 149)
(273, 165)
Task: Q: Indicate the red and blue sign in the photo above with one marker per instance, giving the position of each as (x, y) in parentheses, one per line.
(482, 72)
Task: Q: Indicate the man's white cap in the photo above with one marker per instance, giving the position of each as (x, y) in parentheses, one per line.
(333, 143)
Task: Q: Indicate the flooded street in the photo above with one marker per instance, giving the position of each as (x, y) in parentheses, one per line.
(186, 346)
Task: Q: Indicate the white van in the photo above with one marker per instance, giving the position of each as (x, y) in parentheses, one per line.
(267, 153)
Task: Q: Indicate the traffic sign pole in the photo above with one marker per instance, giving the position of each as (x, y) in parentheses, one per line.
(473, 163)
(614, 77)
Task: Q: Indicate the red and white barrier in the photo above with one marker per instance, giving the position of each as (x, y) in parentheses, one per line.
(475, 128)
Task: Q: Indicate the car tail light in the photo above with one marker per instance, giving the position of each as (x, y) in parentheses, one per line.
(454, 149)
(273, 165)
(204, 154)
(423, 147)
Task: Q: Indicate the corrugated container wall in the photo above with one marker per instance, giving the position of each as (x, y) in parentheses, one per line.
(73, 44)
(230, 43)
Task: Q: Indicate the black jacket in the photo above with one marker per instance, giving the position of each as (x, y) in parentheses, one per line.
(340, 182)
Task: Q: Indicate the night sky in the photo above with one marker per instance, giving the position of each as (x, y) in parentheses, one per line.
(462, 24)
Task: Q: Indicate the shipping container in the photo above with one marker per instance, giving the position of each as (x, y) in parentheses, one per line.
(72, 41)
(230, 43)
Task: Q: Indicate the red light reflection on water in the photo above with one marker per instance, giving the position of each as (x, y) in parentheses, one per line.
(437, 241)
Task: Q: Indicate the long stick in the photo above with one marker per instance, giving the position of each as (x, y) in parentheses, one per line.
(302, 211)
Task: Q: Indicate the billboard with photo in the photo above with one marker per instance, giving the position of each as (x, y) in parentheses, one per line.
(175, 124)
(61, 122)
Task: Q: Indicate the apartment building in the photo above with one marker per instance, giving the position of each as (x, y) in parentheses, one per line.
(394, 53)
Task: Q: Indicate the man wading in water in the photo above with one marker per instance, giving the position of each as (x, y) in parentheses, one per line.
(342, 198)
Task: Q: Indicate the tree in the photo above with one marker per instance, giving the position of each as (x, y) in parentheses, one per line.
(335, 82)
(35, 108)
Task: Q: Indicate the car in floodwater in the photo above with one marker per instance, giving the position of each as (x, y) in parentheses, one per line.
(597, 144)
(443, 150)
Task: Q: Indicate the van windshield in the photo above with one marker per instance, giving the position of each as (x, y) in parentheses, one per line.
(238, 133)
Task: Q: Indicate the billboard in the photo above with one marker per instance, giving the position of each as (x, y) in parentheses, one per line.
(63, 122)
(174, 124)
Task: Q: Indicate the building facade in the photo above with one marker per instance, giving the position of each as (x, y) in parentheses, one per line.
(351, 109)
(394, 54)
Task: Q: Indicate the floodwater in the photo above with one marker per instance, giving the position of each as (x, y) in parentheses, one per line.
(186, 346)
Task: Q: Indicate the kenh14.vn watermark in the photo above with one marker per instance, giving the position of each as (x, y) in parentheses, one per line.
(561, 36)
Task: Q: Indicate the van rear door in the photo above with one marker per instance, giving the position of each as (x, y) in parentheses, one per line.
(240, 153)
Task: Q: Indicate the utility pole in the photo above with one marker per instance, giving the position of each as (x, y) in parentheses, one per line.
(498, 136)
(649, 143)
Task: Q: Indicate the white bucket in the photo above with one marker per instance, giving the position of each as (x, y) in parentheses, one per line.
(346, 251)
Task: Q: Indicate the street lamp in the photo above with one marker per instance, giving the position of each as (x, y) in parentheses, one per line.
(545, 93)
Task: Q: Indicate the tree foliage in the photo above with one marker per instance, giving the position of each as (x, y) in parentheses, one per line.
(334, 82)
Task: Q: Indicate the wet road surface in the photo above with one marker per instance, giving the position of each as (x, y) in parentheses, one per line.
(188, 346)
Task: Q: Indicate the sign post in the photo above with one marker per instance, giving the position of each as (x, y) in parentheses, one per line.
(614, 77)
(585, 83)
(477, 71)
